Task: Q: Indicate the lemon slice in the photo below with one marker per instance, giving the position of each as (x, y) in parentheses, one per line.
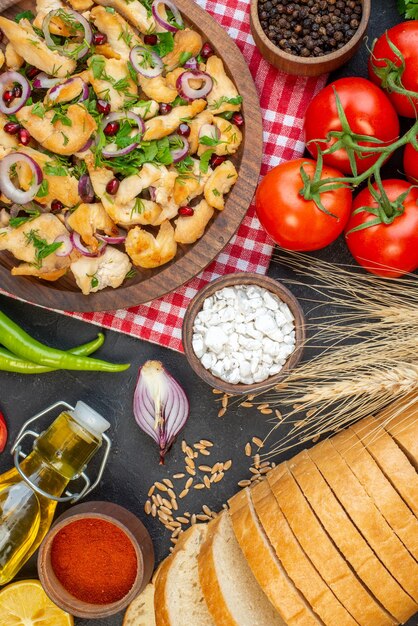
(25, 603)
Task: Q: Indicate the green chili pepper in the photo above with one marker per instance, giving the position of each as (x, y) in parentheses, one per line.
(26, 347)
(11, 363)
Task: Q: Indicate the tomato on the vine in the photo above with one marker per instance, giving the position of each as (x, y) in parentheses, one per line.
(395, 71)
(385, 249)
(369, 113)
(410, 163)
(293, 222)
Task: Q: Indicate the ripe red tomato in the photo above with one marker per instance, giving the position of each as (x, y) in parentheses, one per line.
(385, 246)
(293, 222)
(410, 163)
(385, 65)
(368, 111)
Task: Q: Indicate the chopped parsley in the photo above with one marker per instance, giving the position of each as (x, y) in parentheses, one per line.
(204, 161)
(24, 15)
(223, 99)
(94, 282)
(42, 247)
(179, 101)
(110, 10)
(215, 192)
(15, 222)
(165, 44)
(184, 57)
(39, 110)
(97, 65)
(55, 170)
(209, 141)
(43, 189)
(185, 166)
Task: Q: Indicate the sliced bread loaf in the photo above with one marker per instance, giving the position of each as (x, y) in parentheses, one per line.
(324, 554)
(397, 514)
(141, 611)
(366, 516)
(391, 460)
(349, 540)
(294, 560)
(265, 565)
(178, 597)
(400, 419)
(232, 594)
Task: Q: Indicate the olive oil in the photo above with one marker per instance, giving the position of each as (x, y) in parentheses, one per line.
(59, 454)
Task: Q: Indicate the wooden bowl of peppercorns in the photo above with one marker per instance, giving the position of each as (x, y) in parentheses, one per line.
(309, 37)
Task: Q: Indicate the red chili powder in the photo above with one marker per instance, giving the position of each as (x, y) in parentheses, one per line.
(94, 560)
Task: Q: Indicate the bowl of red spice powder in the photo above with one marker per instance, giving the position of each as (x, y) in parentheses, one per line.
(95, 560)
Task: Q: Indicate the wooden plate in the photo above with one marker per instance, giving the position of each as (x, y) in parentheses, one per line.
(192, 259)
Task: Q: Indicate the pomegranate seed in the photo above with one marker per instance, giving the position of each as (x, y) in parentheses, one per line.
(12, 128)
(184, 130)
(186, 211)
(150, 40)
(103, 107)
(32, 72)
(165, 108)
(8, 96)
(99, 39)
(112, 186)
(23, 136)
(111, 128)
(56, 206)
(216, 160)
(238, 119)
(17, 91)
(206, 51)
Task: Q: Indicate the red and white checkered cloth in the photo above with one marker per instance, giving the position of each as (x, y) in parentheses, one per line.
(283, 100)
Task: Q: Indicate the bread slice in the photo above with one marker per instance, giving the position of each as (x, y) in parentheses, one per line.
(140, 612)
(366, 516)
(230, 589)
(178, 597)
(391, 460)
(400, 420)
(399, 517)
(323, 553)
(349, 540)
(265, 565)
(297, 565)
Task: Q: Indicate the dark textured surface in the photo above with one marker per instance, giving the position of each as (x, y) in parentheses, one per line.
(133, 464)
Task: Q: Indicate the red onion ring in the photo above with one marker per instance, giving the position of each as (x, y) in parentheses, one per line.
(178, 154)
(67, 245)
(187, 92)
(111, 150)
(191, 64)
(43, 81)
(7, 186)
(85, 189)
(163, 22)
(6, 79)
(87, 145)
(112, 240)
(88, 34)
(151, 64)
(56, 89)
(77, 243)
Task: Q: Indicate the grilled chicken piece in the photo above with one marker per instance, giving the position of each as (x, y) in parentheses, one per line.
(189, 229)
(134, 12)
(184, 41)
(157, 89)
(26, 269)
(34, 49)
(87, 219)
(205, 117)
(27, 242)
(68, 92)
(80, 5)
(6, 140)
(121, 36)
(13, 60)
(58, 137)
(223, 88)
(164, 125)
(107, 270)
(56, 26)
(111, 81)
(138, 212)
(190, 185)
(148, 251)
(219, 183)
(62, 188)
(229, 141)
(1, 58)
(132, 186)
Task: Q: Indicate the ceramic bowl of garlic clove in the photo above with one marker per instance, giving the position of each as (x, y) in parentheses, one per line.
(243, 333)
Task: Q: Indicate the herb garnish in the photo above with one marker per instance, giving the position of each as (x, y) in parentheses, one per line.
(24, 15)
(409, 8)
(222, 99)
(43, 248)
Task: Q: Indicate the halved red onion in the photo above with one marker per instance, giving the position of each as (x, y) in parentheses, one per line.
(43, 81)
(189, 93)
(77, 243)
(209, 130)
(191, 64)
(56, 89)
(111, 149)
(88, 34)
(167, 4)
(6, 81)
(10, 191)
(85, 189)
(66, 246)
(179, 153)
(112, 240)
(146, 62)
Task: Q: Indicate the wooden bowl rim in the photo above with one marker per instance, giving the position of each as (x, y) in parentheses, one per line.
(243, 278)
(174, 275)
(311, 61)
(57, 592)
